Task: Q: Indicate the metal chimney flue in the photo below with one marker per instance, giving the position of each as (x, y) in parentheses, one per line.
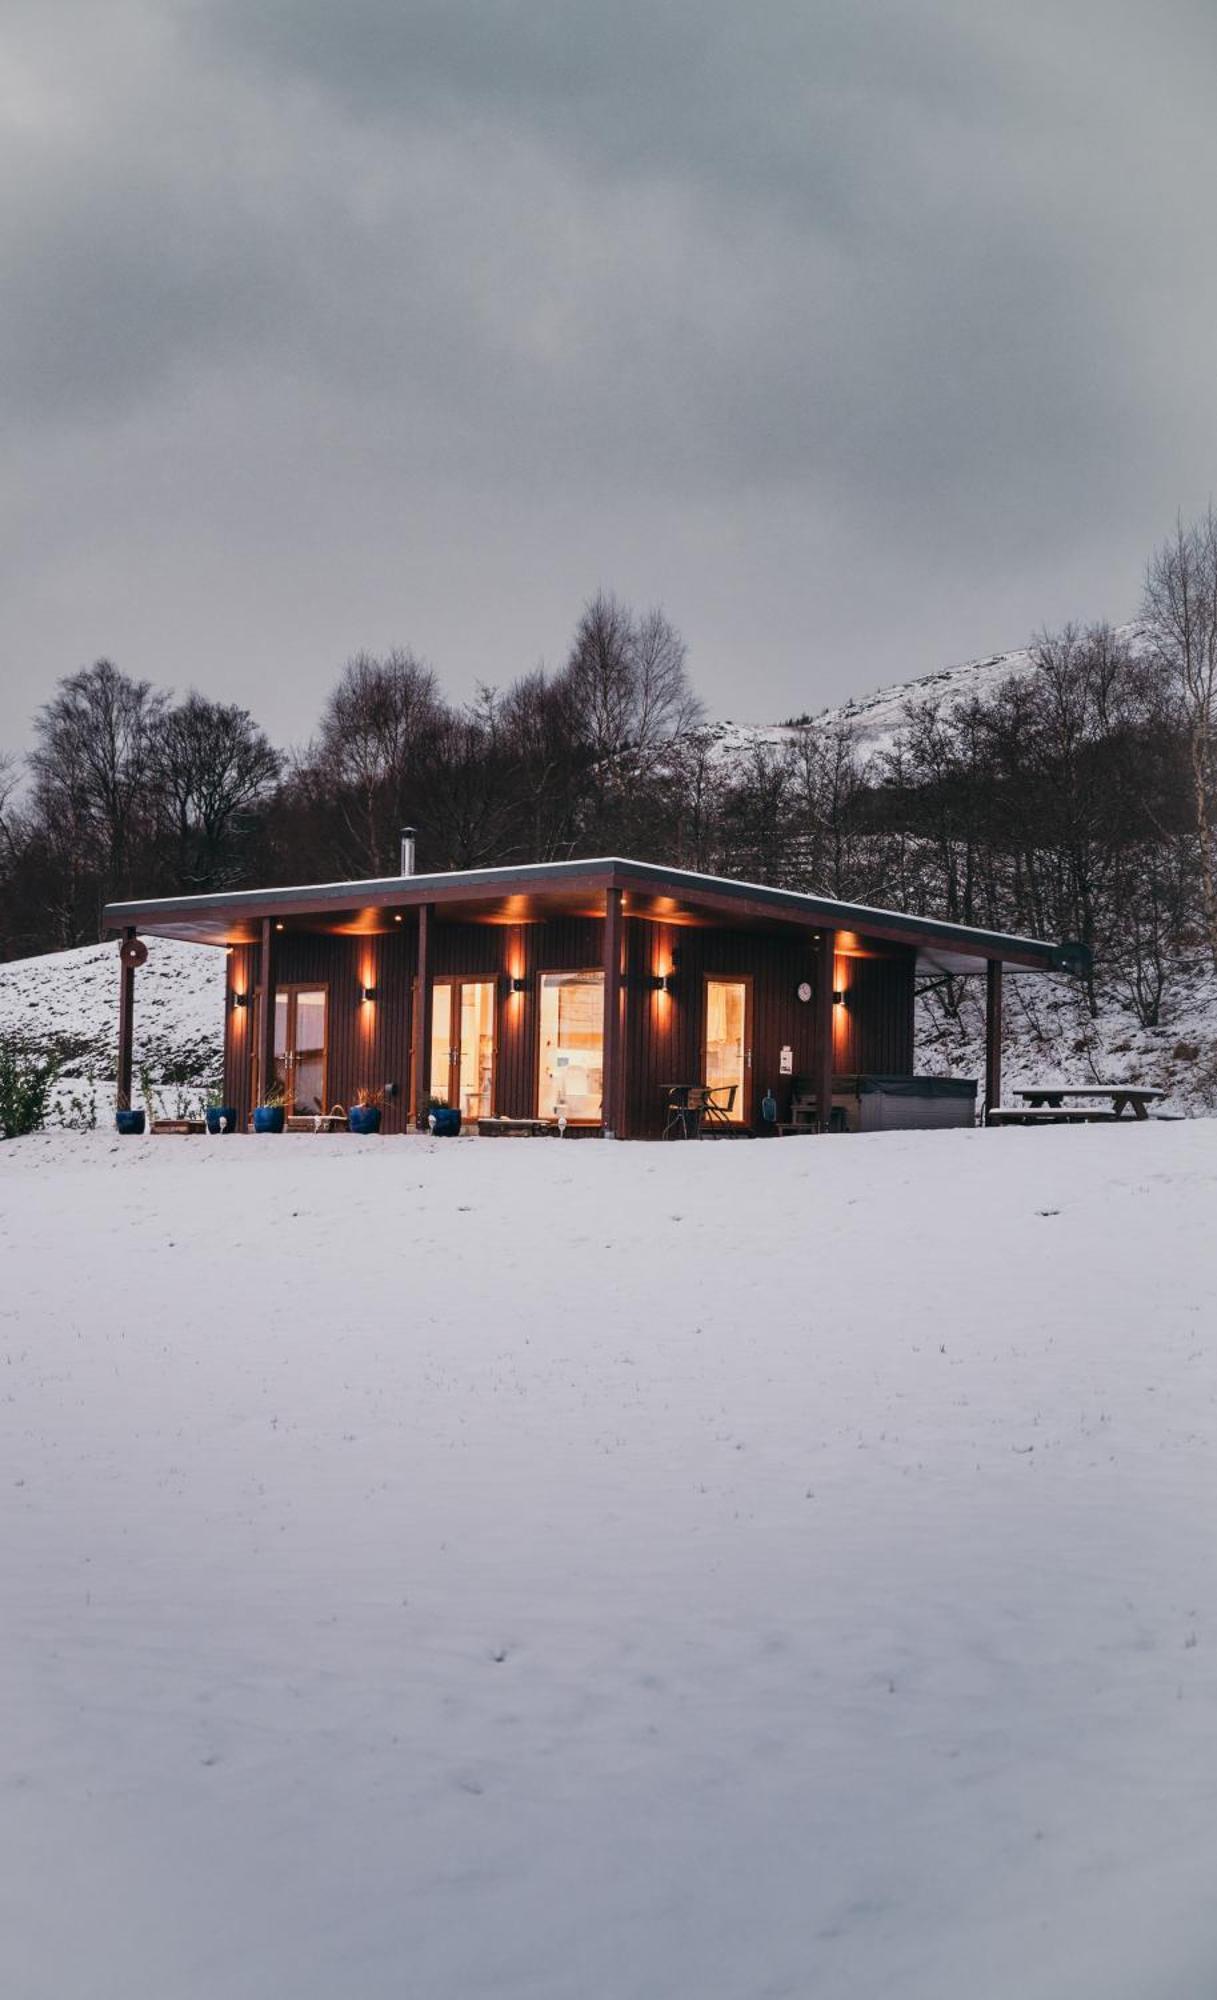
(407, 850)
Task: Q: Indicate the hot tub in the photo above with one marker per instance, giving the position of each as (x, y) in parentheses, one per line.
(902, 1103)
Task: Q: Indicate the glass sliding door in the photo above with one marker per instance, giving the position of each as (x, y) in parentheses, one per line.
(462, 1045)
(439, 1081)
(728, 1044)
(571, 1072)
(475, 1066)
(300, 1047)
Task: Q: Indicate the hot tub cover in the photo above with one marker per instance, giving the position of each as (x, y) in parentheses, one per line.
(905, 1086)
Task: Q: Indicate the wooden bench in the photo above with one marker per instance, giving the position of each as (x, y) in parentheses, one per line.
(1044, 1114)
(333, 1120)
(516, 1128)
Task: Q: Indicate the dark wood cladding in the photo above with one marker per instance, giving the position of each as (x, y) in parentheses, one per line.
(873, 1025)
(661, 1033)
(368, 1041)
(665, 1031)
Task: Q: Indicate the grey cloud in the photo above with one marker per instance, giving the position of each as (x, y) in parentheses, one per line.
(766, 312)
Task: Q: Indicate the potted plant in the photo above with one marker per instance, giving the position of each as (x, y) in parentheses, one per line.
(271, 1114)
(364, 1115)
(443, 1119)
(130, 1121)
(219, 1115)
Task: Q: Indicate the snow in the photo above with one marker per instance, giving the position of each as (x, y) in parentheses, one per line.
(876, 720)
(67, 1002)
(543, 1570)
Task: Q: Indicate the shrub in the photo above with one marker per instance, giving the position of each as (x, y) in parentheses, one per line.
(26, 1084)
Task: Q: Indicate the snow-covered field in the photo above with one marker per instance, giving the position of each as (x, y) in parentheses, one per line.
(455, 1571)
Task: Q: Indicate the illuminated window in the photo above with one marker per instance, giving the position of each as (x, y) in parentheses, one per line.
(571, 1079)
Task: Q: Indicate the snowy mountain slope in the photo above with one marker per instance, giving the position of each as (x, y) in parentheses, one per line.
(877, 718)
(519, 1573)
(68, 1001)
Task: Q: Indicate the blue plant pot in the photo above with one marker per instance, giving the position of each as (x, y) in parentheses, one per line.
(129, 1123)
(363, 1118)
(221, 1118)
(447, 1122)
(269, 1118)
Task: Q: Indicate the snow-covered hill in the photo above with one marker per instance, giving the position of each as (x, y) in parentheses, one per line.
(67, 1002)
(876, 719)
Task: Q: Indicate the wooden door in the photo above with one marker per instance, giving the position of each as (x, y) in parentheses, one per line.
(727, 1044)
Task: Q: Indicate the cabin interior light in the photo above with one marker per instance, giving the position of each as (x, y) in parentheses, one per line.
(367, 993)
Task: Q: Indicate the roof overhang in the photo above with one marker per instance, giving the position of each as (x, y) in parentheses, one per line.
(554, 889)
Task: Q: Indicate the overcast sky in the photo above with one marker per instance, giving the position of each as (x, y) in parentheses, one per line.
(863, 338)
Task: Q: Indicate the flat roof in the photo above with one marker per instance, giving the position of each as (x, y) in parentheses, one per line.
(531, 892)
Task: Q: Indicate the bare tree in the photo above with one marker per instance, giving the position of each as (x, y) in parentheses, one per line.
(1181, 612)
(213, 768)
(627, 680)
(91, 770)
(375, 723)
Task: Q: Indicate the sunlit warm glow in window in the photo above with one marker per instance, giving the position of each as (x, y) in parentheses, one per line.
(727, 1043)
(571, 1061)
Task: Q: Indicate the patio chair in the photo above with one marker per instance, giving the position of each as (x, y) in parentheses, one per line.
(718, 1103)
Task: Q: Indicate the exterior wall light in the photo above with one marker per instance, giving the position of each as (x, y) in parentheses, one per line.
(519, 986)
(656, 982)
(367, 993)
(239, 1000)
(838, 998)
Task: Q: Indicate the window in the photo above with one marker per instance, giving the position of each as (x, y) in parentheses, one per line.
(571, 1078)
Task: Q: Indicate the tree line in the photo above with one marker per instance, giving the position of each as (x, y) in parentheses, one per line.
(1075, 801)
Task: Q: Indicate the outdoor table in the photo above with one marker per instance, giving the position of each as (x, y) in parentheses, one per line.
(689, 1104)
(1135, 1096)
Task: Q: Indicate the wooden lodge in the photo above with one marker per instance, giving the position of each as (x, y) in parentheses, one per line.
(577, 991)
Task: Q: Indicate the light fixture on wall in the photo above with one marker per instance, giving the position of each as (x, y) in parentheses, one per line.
(655, 982)
(278, 927)
(367, 993)
(239, 1000)
(838, 998)
(519, 985)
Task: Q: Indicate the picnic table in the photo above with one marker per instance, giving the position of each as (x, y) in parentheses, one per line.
(1046, 1103)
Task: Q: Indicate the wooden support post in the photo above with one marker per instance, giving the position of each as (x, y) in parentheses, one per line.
(992, 1036)
(420, 1026)
(614, 932)
(266, 1010)
(826, 977)
(126, 1021)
